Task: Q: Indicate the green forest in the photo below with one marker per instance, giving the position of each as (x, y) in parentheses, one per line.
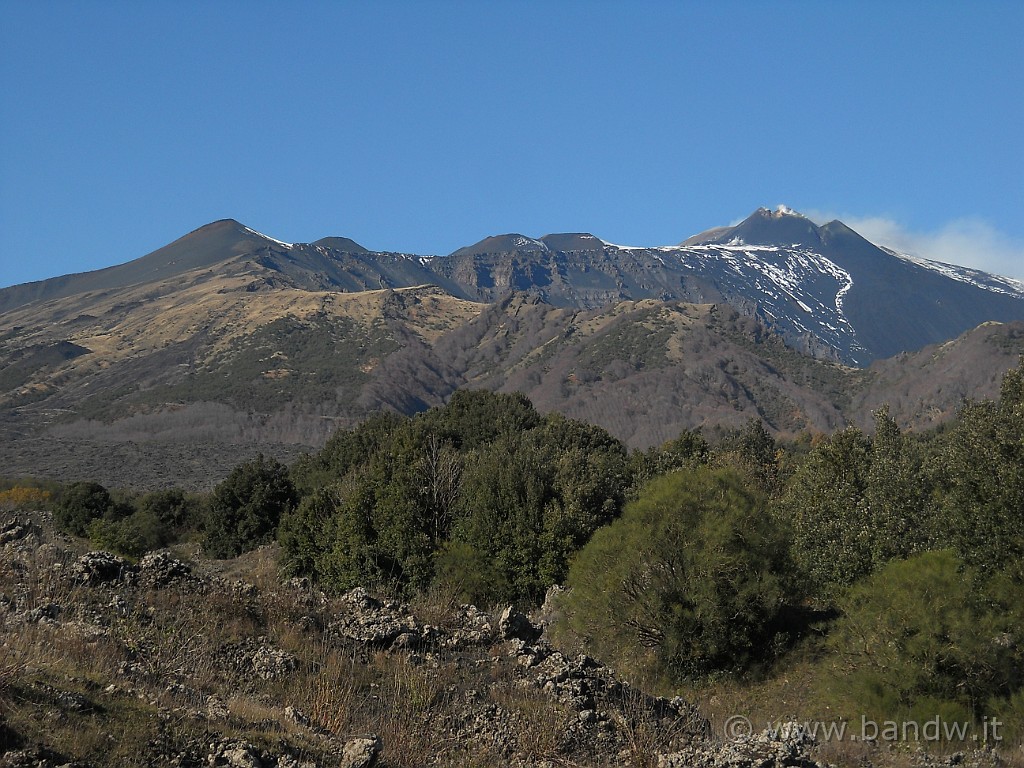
(889, 563)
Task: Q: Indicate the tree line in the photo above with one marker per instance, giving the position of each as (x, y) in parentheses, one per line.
(902, 553)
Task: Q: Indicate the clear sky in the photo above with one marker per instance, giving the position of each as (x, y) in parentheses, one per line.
(426, 126)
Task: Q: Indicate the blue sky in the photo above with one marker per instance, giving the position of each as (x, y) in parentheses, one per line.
(426, 126)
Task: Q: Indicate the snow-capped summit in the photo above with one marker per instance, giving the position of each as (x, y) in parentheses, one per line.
(825, 289)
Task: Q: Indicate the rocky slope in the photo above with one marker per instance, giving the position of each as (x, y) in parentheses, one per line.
(166, 662)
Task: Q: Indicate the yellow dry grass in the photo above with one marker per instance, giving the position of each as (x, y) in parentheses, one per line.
(224, 307)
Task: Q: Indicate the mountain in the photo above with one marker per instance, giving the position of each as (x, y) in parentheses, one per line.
(227, 339)
(825, 289)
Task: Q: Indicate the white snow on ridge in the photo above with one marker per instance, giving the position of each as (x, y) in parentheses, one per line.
(267, 237)
(786, 278)
(989, 282)
(521, 242)
(629, 247)
(788, 269)
(736, 244)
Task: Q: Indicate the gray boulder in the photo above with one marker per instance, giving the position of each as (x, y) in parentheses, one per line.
(361, 753)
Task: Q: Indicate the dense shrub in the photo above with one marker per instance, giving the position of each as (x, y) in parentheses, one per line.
(528, 502)
(25, 497)
(345, 450)
(752, 450)
(484, 495)
(921, 635)
(80, 503)
(372, 528)
(175, 510)
(690, 449)
(980, 477)
(134, 535)
(245, 509)
(693, 570)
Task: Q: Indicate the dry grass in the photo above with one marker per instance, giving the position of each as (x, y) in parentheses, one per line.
(168, 654)
(540, 724)
(10, 671)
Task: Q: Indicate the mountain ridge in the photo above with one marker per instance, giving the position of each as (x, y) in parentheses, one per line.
(232, 338)
(827, 290)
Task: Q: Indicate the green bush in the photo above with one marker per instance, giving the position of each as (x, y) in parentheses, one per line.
(529, 501)
(690, 449)
(484, 484)
(245, 509)
(693, 570)
(368, 530)
(922, 634)
(174, 509)
(135, 535)
(980, 474)
(81, 503)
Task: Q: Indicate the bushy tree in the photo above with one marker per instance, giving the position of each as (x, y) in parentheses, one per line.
(345, 450)
(474, 418)
(80, 503)
(855, 504)
(483, 486)
(752, 450)
(980, 479)
(372, 528)
(692, 570)
(331, 537)
(690, 449)
(134, 535)
(245, 509)
(529, 501)
(172, 508)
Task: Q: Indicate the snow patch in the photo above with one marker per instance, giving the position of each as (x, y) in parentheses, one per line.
(524, 242)
(1007, 286)
(252, 231)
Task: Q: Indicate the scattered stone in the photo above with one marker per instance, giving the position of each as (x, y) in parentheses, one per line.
(234, 754)
(269, 663)
(94, 568)
(244, 591)
(18, 530)
(515, 625)
(297, 716)
(299, 583)
(36, 758)
(216, 709)
(788, 746)
(374, 622)
(159, 569)
(48, 612)
(361, 752)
